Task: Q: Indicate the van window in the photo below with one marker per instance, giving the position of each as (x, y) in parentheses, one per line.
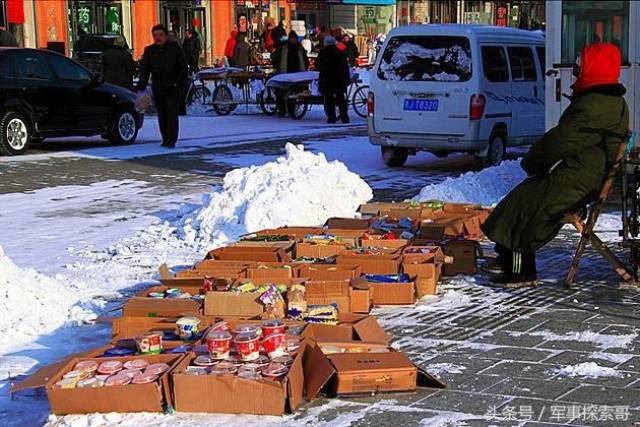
(426, 58)
(541, 58)
(523, 67)
(7, 66)
(494, 64)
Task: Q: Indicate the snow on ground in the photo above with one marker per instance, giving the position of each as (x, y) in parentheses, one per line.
(588, 370)
(604, 341)
(299, 189)
(486, 187)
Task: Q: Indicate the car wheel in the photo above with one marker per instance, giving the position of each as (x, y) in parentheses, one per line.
(495, 151)
(394, 156)
(124, 128)
(14, 134)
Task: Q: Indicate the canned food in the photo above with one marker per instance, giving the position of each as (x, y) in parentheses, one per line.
(204, 361)
(117, 379)
(219, 344)
(90, 366)
(272, 327)
(144, 379)
(248, 346)
(131, 372)
(150, 343)
(248, 329)
(157, 368)
(90, 382)
(188, 328)
(275, 345)
(136, 364)
(76, 374)
(224, 368)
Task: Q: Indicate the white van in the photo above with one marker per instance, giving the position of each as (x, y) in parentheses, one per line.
(457, 88)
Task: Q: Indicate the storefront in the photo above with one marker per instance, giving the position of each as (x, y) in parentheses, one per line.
(573, 24)
(94, 17)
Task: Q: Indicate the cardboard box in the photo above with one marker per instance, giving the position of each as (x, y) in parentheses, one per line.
(297, 233)
(151, 397)
(381, 208)
(425, 267)
(365, 371)
(233, 395)
(315, 250)
(143, 306)
(192, 280)
(323, 292)
(350, 327)
(452, 225)
(250, 254)
(273, 271)
(384, 243)
(328, 271)
(124, 329)
(238, 304)
(394, 293)
(348, 223)
(371, 264)
(464, 254)
(286, 245)
(349, 237)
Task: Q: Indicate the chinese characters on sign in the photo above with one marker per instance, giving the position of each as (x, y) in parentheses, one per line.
(560, 413)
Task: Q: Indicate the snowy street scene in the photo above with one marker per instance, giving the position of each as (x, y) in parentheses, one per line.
(332, 213)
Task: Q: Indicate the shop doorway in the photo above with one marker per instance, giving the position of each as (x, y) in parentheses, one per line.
(94, 17)
(179, 16)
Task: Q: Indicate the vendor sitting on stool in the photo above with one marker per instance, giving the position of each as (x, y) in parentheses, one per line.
(566, 168)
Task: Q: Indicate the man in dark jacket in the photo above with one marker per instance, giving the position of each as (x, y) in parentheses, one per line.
(351, 50)
(290, 57)
(241, 52)
(278, 33)
(192, 47)
(117, 64)
(334, 79)
(566, 167)
(165, 62)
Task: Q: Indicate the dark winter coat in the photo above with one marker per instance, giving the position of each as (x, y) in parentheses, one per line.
(334, 70)
(241, 53)
(192, 47)
(118, 67)
(278, 33)
(352, 53)
(290, 58)
(7, 39)
(583, 146)
(166, 64)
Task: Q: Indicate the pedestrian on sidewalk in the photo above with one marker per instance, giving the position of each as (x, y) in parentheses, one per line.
(192, 48)
(118, 67)
(242, 52)
(230, 47)
(290, 57)
(351, 50)
(164, 61)
(279, 33)
(566, 168)
(334, 80)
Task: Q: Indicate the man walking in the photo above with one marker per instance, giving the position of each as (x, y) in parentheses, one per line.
(165, 62)
(192, 48)
(334, 79)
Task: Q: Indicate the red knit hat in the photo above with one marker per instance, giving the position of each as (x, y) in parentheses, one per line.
(600, 65)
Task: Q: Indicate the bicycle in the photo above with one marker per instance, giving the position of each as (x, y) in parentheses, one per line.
(358, 95)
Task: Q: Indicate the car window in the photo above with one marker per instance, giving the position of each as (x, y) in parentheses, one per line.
(426, 58)
(494, 64)
(66, 69)
(523, 66)
(541, 58)
(31, 66)
(7, 66)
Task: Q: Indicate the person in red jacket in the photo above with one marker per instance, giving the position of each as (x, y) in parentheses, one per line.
(230, 47)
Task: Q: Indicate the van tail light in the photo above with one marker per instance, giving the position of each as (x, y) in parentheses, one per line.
(476, 109)
(370, 104)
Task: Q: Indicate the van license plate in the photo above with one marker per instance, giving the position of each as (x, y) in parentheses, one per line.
(421, 105)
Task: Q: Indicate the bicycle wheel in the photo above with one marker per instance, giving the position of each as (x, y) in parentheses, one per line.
(197, 94)
(268, 101)
(296, 105)
(359, 101)
(223, 100)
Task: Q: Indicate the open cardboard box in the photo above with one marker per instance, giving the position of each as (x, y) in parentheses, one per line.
(348, 223)
(39, 378)
(296, 232)
(286, 245)
(233, 395)
(249, 254)
(151, 397)
(403, 293)
(365, 369)
(141, 305)
(351, 296)
(239, 304)
(425, 267)
(124, 329)
(273, 270)
(328, 271)
(381, 208)
(192, 280)
(371, 264)
(396, 244)
(318, 250)
(450, 224)
(350, 327)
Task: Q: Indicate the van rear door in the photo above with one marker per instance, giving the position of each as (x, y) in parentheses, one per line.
(424, 85)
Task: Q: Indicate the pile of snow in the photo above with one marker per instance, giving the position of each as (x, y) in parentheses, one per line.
(301, 188)
(32, 304)
(604, 341)
(588, 370)
(486, 187)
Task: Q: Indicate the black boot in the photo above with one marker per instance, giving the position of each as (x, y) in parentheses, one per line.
(519, 266)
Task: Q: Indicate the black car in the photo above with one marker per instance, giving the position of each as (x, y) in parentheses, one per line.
(45, 94)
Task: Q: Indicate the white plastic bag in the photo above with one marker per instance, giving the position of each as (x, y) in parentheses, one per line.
(144, 100)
